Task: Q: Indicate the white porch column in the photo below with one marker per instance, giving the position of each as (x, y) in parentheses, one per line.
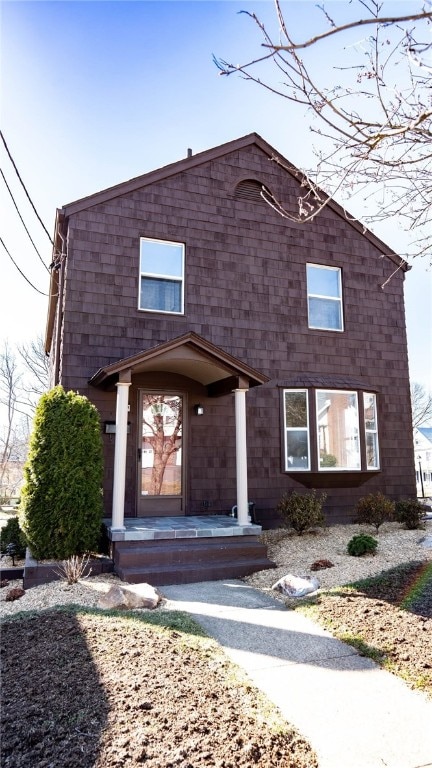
(241, 457)
(120, 456)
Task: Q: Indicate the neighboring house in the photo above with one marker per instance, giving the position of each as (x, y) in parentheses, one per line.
(241, 354)
(423, 459)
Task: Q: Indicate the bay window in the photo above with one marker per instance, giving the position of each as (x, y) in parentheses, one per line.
(330, 430)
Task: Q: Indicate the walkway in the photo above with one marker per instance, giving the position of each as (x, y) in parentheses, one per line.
(354, 714)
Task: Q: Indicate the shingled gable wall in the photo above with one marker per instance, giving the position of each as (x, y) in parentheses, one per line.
(245, 292)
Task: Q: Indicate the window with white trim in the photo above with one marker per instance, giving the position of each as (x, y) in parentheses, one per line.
(371, 430)
(324, 290)
(330, 430)
(296, 416)
(161, 286)
(338, 430)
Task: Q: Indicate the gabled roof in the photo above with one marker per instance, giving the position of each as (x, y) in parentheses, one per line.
(426, 432)
(251, 139)
(189, 355)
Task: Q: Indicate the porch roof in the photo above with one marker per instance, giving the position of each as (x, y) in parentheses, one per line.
(189, 355)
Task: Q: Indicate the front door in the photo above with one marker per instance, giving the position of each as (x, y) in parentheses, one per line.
(160, 454)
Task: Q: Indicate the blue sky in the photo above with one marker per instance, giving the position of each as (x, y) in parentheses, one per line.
(94, 93)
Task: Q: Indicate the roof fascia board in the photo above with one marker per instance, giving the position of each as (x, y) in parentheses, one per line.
(191, 339)
(187, 163)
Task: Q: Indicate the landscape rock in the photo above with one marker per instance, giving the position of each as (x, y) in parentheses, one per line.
(130, 596)
(294, 586)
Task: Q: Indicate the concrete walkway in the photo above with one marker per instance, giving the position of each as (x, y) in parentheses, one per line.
(354, 714)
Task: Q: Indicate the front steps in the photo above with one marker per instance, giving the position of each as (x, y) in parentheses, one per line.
(183, 561)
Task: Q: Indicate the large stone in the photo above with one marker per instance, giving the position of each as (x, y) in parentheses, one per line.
(295, 586)
(130, 596)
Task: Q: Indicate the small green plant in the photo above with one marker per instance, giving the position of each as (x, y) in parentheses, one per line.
(328, 460)
(302, 511)
(12, 535)
(410, 513)
(375, 509)
(362, 544)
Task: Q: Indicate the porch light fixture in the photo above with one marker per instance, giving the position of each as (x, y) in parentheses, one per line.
(199, 409)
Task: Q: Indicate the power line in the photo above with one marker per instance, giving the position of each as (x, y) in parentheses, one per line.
(22, 220)
(24, 188)
(20, 271)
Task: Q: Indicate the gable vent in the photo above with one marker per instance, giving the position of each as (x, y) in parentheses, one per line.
(249, 189)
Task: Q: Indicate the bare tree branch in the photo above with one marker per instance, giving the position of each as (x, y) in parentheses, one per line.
(421, 405)
(371, 115)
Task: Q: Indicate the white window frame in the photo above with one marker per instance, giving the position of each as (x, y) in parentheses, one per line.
(327, 298)
(371, 431)
(159, 276)
(297, 429)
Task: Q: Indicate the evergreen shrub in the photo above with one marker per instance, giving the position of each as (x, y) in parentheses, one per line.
(302, 511)
(11, 533)
(61, 500)
(362, 544)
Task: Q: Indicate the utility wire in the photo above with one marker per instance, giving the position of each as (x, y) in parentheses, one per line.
(24, 187)
(19, 270)
(22, 220)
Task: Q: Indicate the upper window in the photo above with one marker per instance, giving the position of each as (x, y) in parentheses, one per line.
(324, 288)
(161, 276)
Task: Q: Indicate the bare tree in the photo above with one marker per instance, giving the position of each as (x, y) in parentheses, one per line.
(23, 378)
(421, 405)
(372, 116)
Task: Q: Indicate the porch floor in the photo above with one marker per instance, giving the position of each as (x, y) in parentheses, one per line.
(201, 526)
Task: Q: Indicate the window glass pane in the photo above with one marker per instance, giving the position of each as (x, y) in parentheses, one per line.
(369, 411)
(296, 430)
(297, 450)
(338, 430)
(323, 282)
(325, 313)
(160, 258)
(295, 409)
(162, 295)
(372, 450)
(161, 457)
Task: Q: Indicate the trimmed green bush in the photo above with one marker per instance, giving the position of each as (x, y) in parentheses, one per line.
(302, 511)
(362, 544)
(61, 500)
(375, 509)
(11, 533)
(410, 513)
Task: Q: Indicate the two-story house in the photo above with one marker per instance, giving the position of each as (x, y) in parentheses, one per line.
(233, 354)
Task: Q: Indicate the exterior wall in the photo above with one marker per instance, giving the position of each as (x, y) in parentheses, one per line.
(245, 291)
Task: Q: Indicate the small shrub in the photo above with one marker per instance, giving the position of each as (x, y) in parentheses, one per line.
(410, 513)
(375, 509)
(362, 544)
(73, 569)
(301, 511)
(11, 534)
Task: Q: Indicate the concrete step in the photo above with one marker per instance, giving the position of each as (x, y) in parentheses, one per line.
(188, 574)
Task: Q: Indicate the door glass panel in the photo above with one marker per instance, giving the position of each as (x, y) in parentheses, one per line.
(161, 450)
